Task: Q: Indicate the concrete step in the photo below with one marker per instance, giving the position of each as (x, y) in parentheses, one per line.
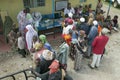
(4, 47)
(1, 31)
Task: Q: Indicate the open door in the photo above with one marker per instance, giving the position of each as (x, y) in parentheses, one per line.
(1, 26)
(7, 24)
(2, 19)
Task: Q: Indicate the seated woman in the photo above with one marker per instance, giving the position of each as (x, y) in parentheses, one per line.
(108, 23)
(43, 61)
(55, 73)
(36, 46)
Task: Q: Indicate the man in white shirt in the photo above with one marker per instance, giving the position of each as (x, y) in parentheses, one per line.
(21, 44)
(69, 9)
(68, 27)
(22, 20)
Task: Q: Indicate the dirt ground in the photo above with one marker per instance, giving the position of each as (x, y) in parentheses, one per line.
(109, 68)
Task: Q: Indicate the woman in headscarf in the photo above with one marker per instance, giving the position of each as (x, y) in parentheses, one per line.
(68, 27)
(29, 19)
(43, 61)
(90, 19)
(30, 32)
(43, 38)
(45, 43)
(55, 73)
(63, 51)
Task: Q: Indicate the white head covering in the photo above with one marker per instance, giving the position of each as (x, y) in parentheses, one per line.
(95, 22)
(105, 31)
(29, 36)
(29, 19)
(82, 19)
(70, 15)
(47, 55)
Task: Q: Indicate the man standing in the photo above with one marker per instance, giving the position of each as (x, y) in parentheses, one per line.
(98, 46)
(91, 36)
(69, 9)
(21, 17)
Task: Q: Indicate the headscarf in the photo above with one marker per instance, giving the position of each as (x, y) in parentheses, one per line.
(105, 31)
(95, 22)
(99, 30)
(43, 38)
(70, 21)
(47, 55)
(29, 36)
(67, 38)
(48, 46)
(82, 19)
(82, 32)
(29, 18)
(91, 18)
(54, 67)
(38, 46)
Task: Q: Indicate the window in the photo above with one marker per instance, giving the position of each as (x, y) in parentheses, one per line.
(83, 0)
(33, 3)
(58, 5)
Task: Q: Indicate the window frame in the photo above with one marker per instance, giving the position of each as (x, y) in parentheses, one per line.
(34, 3)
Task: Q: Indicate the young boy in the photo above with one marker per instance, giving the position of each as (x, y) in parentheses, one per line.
(115, 23)
(21, 45)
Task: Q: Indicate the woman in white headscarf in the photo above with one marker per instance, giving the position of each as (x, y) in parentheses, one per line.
(29, 36)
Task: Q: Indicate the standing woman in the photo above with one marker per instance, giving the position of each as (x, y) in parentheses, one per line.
(30, 32)
(78, 59)
(63, 52)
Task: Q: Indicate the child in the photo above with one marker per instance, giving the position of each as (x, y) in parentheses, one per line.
(108, 23)
(81, 40)
(21, 45)
(115, 23)
(35, 44)
(11, 37)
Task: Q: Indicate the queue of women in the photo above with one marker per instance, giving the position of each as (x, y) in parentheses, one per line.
(82, 28)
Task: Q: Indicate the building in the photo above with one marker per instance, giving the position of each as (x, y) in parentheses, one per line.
(12, 7)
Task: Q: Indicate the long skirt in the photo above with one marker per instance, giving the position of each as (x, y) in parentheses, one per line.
(78, 60)
(72, 51)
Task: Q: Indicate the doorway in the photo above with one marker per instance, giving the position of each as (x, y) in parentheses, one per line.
(1, 25)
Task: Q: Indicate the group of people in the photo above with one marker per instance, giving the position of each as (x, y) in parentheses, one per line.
(87, 28)
(82, 28)
(47, 62)
(52, 65)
